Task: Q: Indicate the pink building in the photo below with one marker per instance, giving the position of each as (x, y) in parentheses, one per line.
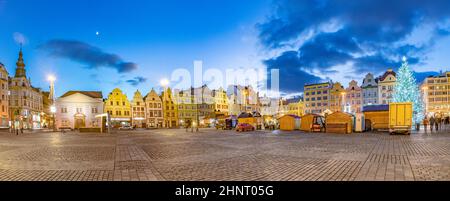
(353, 102)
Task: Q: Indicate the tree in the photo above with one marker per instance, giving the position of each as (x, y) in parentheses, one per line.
(407, 90)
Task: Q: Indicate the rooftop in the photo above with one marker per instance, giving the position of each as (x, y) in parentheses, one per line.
(92, 94)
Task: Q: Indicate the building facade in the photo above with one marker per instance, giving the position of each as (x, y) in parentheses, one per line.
(25, 101)
(337, 97)
(370, 90)
(269, 106)
(154, 111)
(220, 102)
(187, 109)
(353, 99)
(316, 97)
(138, 111)
(170, 109)
(436, 94)
(242, 99)
(119, 108)
(4, 101)
(77, 109)
(295, 106)
(386, 87)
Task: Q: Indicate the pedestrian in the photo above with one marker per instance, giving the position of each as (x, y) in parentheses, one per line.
(425, 124)
(16, 127)
(437, 122)
(431, 123)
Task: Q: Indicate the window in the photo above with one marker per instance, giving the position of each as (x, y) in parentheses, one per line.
(63, 110)
(79, 110)
(94, 110)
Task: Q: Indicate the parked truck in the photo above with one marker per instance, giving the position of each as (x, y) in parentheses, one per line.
(400, 118)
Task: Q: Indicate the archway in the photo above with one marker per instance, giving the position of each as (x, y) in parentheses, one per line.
(79, 121)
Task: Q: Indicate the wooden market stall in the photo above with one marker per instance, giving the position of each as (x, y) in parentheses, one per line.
(312, 123)
(289, 122)
(376, 117)
(247, 118)
(339, 122)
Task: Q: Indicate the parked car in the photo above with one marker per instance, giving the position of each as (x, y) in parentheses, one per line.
(242, 127)
(127, 127)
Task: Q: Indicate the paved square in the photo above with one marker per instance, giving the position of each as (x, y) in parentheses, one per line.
(223, 155)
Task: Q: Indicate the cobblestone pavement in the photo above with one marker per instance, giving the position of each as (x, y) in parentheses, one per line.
(150, 155)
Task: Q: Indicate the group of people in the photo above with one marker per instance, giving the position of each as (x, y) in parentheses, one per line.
(435, 122)
(16, 128)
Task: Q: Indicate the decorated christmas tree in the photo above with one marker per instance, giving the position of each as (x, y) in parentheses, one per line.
(407, 90)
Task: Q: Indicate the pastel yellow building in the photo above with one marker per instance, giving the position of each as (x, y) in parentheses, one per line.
(187, 109)
(220, 102)
(337, 96)
(317, 97)
(436, 94)
(170, 109)
(295, 107)
(118, 106)
(4, 101)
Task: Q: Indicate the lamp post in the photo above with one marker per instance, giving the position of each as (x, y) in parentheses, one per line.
(52, 79)
(53, 111)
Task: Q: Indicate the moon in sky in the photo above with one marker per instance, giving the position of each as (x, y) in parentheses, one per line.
(97, 33)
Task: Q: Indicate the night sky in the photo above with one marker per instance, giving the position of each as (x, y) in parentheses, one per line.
(103, 44)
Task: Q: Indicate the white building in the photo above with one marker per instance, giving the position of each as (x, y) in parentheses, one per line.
(77, 109)
(370, 90)
(269, 106)
(386, 87)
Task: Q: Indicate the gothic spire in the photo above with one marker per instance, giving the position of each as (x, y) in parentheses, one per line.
(20, 69)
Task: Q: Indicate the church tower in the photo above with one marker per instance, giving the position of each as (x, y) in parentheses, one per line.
(20, 69)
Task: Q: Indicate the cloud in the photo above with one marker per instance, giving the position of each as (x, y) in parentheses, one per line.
(19, 38)
(87, 54)
(369, 35)
(292, 77)
(136, 81)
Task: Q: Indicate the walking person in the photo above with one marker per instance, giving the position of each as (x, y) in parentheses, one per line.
(16, 127)
(437, 122)
(431, 124)
(425, 124)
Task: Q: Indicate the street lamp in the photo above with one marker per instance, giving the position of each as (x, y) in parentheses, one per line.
(52, 79)
(53, 111)
(164, 83)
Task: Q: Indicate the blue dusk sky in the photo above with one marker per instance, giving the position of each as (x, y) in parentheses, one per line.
(133, 44)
